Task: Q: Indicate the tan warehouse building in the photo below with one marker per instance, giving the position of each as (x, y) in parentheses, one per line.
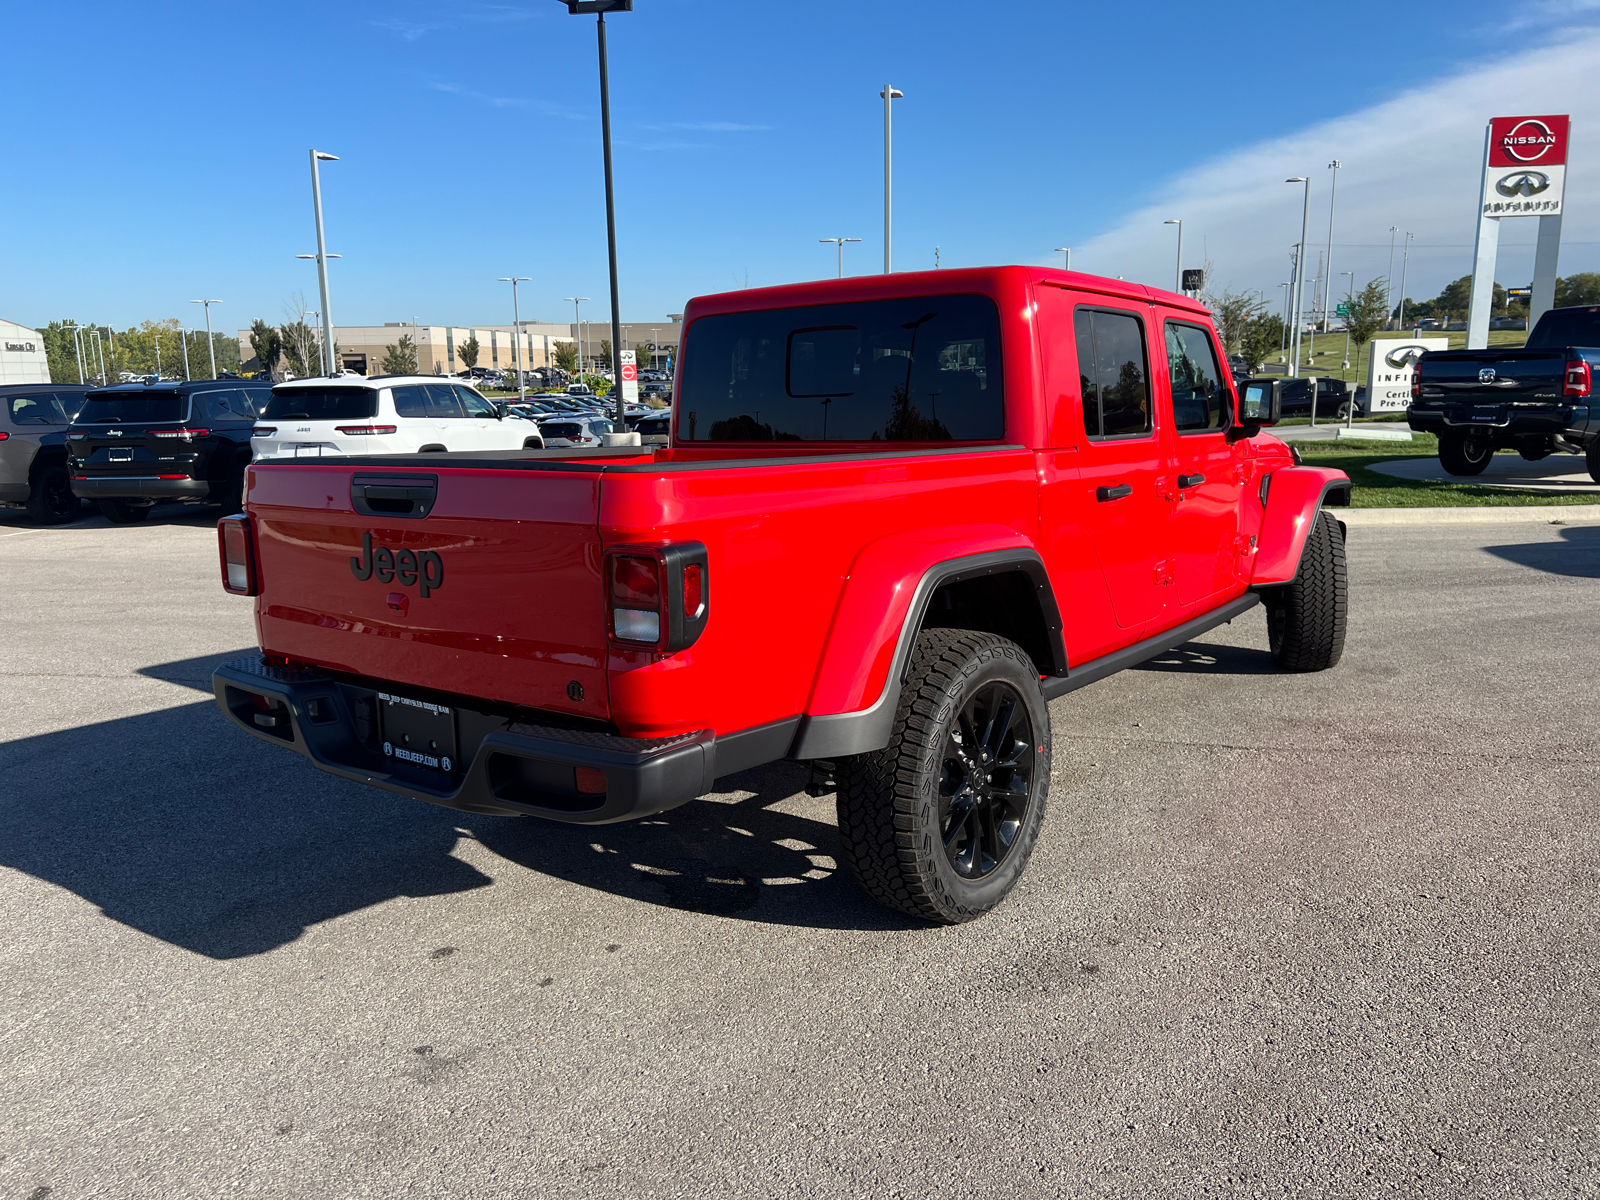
(362, 347)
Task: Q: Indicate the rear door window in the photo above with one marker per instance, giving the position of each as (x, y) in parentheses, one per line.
(411, 401)
(442, 401)
(1114, 373)
(1199, 397)
(322, 404)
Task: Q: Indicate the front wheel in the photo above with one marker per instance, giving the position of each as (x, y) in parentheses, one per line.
(120, 512)
(1306, 617)
(1461, 455)
(941, 822)
(50, 500)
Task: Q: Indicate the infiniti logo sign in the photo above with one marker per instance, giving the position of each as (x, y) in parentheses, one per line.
(1522, 183)
(1405, 356)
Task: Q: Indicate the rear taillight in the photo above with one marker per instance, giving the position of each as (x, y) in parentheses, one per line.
(3, 435)
(172, 476)
(1416, 382)
(187, 435)
(658, 596)
(236, 543)
(1578, 380)
(362, 430)
(264, 431)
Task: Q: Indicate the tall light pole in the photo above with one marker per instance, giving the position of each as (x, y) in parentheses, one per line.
(322, 261)
(1405, 261)
(600, 8)
(183, 338)
(1283, 332)
(889, 94)
(577, 330)
(1388, 280)
(1352, 297)
(99, 355)
(1327, 279)
(1177, 281)
(1300, 275)
(516, 329)
(1067, 250)
(77, 352)
(211, 344)
(841, 242)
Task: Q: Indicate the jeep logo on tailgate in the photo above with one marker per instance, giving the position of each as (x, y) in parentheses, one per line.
(405, 567)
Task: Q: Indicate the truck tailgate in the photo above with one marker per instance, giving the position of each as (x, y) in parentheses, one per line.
(464, 580)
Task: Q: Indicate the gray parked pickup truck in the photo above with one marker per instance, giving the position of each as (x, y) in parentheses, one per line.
(33, 453)
(1535, 400)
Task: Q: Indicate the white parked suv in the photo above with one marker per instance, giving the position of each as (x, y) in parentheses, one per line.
(392, 414)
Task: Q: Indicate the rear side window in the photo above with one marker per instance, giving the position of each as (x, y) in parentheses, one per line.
(166, 408)
(411, 401)
(562, 429)
(442, 400)
(1199, 398)
(923, 369)
(475, 404)
(46, 408)
(1113, 371)
(322, 404)
(231, 404)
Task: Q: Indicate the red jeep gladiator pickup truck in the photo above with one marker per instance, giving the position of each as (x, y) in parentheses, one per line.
(897, 515)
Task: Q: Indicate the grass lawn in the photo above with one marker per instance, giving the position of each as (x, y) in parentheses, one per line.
(1330, 351)
(1373, 490)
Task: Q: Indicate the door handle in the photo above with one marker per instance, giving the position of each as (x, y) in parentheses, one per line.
(1185, 482)
(1113, 493)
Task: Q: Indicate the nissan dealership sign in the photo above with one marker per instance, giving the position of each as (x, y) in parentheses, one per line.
(1526, 172)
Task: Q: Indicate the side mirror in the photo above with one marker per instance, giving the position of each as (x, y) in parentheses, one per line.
(1260, 402)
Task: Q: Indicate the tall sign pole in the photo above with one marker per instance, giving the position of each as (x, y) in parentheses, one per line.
(889, 94)
(322, 262)
(1524, 175)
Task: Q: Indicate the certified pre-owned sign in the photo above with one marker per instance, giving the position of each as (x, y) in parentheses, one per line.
(1527, 166)
(1390, 369)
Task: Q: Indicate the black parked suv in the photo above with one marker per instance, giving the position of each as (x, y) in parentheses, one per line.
(138, 443)
(33, 448)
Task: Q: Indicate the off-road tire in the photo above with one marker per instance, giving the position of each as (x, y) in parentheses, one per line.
(50, 499)
(1592, 458)
(1461, 455)
(1306, 618)
(889, 800)
(120, 512)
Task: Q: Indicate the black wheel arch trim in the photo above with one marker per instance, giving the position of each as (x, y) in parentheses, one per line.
(835, 735)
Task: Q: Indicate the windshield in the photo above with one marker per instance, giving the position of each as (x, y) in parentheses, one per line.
(1562, 327)
(322, 404)
(921, 369)
(163, 408)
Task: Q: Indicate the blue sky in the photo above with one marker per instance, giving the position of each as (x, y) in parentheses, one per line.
(160, 155)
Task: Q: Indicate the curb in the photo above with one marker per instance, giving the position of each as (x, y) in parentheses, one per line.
(1528, 514)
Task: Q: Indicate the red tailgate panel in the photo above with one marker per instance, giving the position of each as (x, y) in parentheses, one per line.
(520, 613)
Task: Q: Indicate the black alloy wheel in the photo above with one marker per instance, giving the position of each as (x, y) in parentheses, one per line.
(985, 780)
(51, 500)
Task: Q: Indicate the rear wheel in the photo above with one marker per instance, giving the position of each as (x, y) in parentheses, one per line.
(1461, 455)
(50, 501)
(1306, 618)
(121, 512)
(941, 822)
(230, 493)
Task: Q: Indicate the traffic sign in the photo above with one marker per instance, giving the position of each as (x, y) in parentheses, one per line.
(1342, 309)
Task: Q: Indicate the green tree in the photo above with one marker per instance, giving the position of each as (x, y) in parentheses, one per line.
(1262, 338)
(1368, 313)
(267, 343)
(298, 345)
(604, 359)
(61, 352)
(1232, 313)
(566, 356)
(1583, 288)
(467, 352)
(400, 359)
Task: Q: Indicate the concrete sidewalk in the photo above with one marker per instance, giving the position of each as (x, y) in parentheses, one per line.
(1557, 473)
(1507, 514)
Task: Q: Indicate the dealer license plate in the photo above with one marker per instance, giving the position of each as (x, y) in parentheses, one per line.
(119, 455)
(418, 732)
(1486, 414)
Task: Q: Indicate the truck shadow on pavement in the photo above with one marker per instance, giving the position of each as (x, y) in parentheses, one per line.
(1209, 658)
(175, 824)
(1577, 554)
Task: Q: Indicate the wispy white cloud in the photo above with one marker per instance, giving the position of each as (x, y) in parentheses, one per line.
(1413, 161)
(710, 127)
(547, 107)
(1548, 12)
(408, 30)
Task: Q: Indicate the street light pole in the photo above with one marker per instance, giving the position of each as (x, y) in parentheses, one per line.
(516, 329)
(322, 261)
(183, 338)
(1067, 250)
(77, 352)
(1405, 261)
(889, 94)
(577, 330)
(211, 344)
(1327, 280)
(1177, 280)
(841, 241)
(1388, 280)
(1300, 278)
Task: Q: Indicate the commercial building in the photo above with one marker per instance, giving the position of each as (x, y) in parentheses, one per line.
(362, 348)
(22, 358)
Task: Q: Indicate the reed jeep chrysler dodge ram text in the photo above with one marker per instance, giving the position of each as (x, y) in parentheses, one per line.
(897, 515)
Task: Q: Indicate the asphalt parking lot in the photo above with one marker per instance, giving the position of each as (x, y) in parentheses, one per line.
(1325, 935)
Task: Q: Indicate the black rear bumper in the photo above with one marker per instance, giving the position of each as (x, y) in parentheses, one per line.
(506, 768)
(1502, 423)
(138, 487)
